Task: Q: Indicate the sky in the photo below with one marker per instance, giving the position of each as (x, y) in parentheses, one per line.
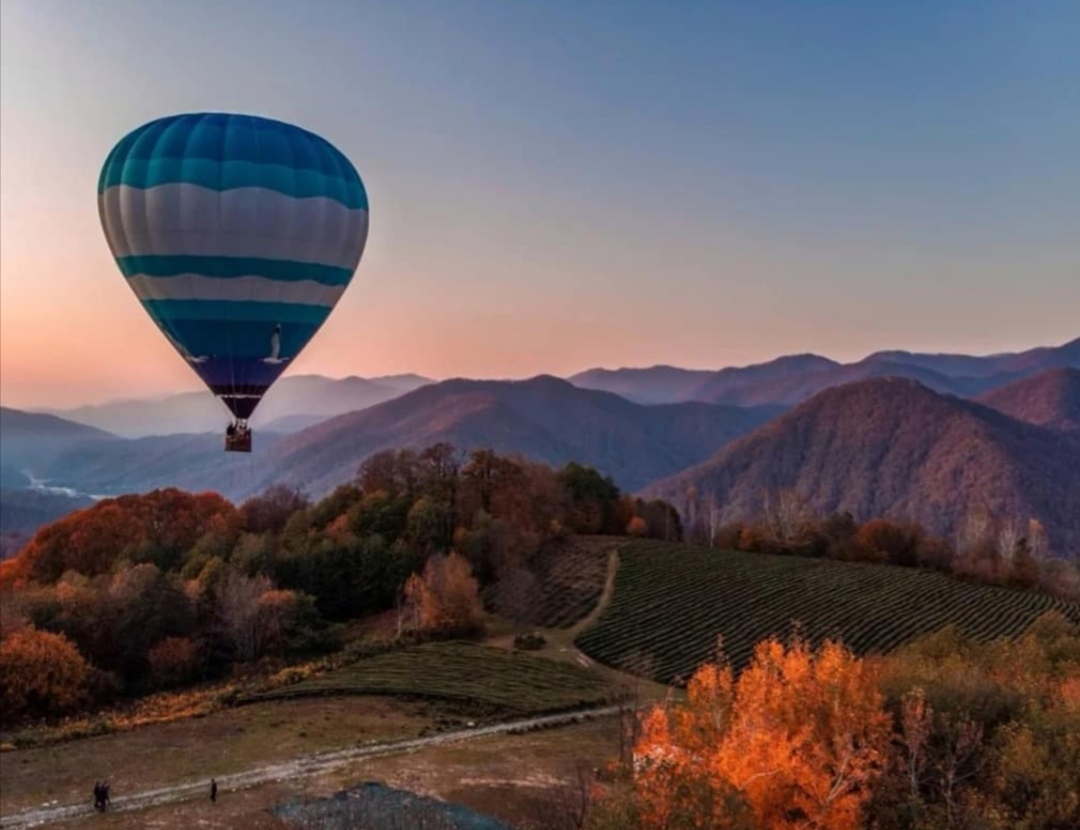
(561, 185)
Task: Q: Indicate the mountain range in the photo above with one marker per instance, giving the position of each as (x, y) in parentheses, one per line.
(545, 418)
(921, 436)
(790, 380)
(892, 447)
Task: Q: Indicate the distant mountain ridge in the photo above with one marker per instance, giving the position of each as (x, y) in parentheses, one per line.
(790, 380)
(544, 418)
(1010, 441)
(893, 447)
(294, 402)
(27, 439)
(297, 402)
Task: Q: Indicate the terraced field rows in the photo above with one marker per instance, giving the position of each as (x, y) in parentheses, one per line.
(672, 601)
(569, 580)
(484, 678)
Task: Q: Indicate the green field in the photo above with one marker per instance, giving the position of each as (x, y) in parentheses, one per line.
(482, 678)
(672, 601)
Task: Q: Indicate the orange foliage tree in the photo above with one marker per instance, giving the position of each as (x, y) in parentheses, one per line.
(40, 673)
(446, 597)
(795, 742)
(159, 527)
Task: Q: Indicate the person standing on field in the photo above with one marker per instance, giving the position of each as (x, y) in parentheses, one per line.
(213, 789)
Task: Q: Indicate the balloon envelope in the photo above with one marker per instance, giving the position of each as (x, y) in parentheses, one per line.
(238, 234)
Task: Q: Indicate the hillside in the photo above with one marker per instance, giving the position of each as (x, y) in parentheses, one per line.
(671, 602)
(1050, 399)
(544, 419)
(311, 397)
(894, 448)
(31, 439)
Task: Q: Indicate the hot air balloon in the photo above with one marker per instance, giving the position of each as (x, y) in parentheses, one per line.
(238, 234)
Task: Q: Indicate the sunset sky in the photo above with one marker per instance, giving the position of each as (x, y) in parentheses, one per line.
(561, 185)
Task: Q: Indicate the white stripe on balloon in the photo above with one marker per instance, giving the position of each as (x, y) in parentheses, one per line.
(239, 289)
(186, 219)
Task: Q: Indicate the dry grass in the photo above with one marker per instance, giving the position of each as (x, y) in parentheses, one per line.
(514, 778)
(198, 748)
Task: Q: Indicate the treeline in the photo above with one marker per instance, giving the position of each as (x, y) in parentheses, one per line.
(987, 549)
(144, 592)
(945, 733)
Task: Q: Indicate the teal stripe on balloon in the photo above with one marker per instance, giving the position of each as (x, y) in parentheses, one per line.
(229, 312)
(281, 270)
(211, 135)
(230, 175)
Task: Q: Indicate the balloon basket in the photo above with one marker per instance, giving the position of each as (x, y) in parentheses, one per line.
(239, 441)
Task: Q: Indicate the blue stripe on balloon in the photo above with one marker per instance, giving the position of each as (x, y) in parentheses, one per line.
(228, 313)
(232, 174)
(281, 270)
(235, 372)
(226, 339)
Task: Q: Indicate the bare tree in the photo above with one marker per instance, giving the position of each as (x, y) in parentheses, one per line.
(690, 511)
(1009, 534)
(714, 518)
(973, 531)
(1037, 545)
(785, 514)
(240, 612)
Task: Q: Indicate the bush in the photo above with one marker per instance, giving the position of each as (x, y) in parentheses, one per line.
(41, 673)
(529, 642)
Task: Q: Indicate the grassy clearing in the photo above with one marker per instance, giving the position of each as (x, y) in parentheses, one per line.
(524, 779)
(480, 678)
(196, 748)
(671, 602)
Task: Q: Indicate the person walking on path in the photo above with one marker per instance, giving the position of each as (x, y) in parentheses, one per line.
(213, 789)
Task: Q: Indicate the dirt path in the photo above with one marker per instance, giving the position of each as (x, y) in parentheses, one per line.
(297, 768)
(605, 596)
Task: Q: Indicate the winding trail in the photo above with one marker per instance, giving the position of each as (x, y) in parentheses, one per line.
(302, 767)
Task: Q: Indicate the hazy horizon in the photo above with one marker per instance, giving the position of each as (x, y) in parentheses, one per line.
(559, 187)
(196, 387)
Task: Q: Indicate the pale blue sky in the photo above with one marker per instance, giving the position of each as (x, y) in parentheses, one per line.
(561, 185)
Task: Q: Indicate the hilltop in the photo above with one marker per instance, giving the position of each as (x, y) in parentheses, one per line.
(891, 447)
(544, 419)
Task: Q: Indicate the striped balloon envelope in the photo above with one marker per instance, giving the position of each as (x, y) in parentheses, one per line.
(238, 234)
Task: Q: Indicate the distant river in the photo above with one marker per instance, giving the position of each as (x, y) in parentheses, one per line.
(42, 485)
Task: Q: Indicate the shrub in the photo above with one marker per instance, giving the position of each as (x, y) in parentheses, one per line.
(41, 673)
